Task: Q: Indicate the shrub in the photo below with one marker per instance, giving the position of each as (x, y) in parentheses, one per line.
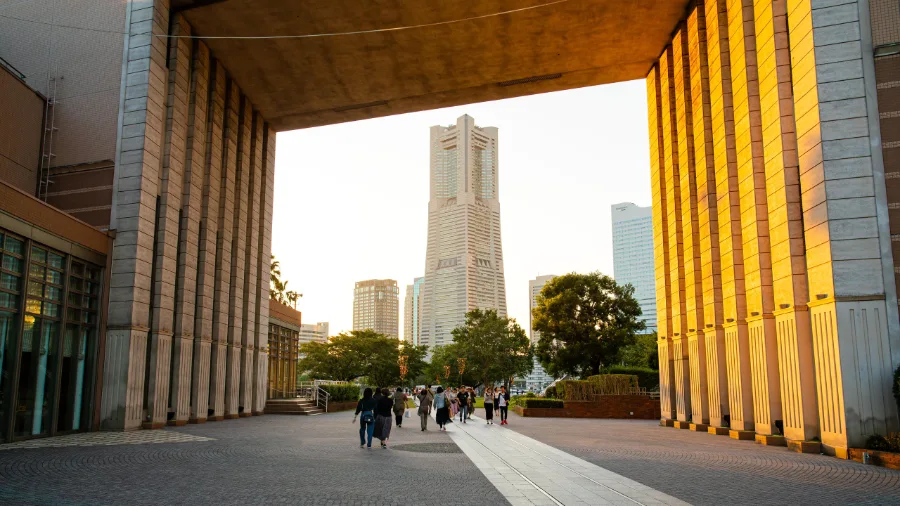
(614, 384)
(342, 392)
(891, 443)
(647, 378)
(529, 395)
(535, 402)
(550, 393)
(576, 390)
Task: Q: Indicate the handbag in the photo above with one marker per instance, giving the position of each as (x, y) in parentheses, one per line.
(367, 418)
(406, 414)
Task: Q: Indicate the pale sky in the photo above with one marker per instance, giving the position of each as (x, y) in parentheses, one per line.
(351, 200)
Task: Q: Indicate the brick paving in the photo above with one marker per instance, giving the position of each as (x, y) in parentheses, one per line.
(260, 460)
(705, 469)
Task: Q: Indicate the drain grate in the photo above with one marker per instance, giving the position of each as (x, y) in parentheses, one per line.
(428, 448)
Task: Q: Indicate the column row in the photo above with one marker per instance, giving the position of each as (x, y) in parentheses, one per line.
(770, 287)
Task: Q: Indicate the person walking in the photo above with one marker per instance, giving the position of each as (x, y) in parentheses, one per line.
(366, 406)
(496, 394)
(383, 417)
(462, 400)
(454, 406)
(471, 402)
(489, 405)
(442, 407)
(399, 405)
(504, 405)
(425, 400)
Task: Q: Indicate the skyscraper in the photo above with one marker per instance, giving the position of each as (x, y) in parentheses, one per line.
(412, 311)
(632, 231)
(314, 333)
(464, 259)
(538, 379)
(376, 306)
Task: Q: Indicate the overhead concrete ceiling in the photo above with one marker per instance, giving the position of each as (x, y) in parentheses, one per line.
(306, 82)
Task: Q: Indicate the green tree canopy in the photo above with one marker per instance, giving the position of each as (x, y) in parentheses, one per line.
(495, 348)
(584, 320)
(644, 352)
(362, 353)
(449, 355)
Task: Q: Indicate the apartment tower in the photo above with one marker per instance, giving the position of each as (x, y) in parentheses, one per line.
(632, 235)
(538, 379)
(376, 306)
(464, 259)
(412, 311)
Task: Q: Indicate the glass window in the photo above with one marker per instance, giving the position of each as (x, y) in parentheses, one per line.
(37, 377)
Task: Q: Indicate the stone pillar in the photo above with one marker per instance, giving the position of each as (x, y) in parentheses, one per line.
(690, 224)
(844, 219)
(251, 265)
(210, 96)
(133, 214)
(754, 217)
(238, 257)
(708, 220)
(224, 242)
(660, 246)
(267, 191)
(794, 342)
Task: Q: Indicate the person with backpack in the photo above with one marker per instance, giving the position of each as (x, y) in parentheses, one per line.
(489, 405)
(504, 405)
(399, 405)
(462, 400)
(366, 406)
(442, 405)
(426, 397)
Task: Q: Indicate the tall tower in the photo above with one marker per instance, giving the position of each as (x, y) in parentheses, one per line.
(632, 235)
(412, 312)
(464, 259)
(376, 306)
(538, 379)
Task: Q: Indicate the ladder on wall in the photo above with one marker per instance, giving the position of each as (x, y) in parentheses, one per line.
(50, 129)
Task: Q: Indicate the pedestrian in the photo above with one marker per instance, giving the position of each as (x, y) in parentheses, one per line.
(496, 394)
(462, 400)
(425, 400)
(504, 405)
(471, 402)
(442, 407)
(366, 406)
(399, 405)
(489, 405)
(454, 407)
(383, 417)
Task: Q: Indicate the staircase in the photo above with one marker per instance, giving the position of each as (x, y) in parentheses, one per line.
(292, 407)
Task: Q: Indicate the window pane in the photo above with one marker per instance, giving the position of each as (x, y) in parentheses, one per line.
(13, 264)
(54, 277)
(8, 322)
(14, 246)
(38, 255)
(37, 377)
(35, 289)
(36, 271)
(51, 309)
(9, 282)
(78, 268)
(55, 261)
(53, 293)
(76, 284)
(33, 306)
(9, 301)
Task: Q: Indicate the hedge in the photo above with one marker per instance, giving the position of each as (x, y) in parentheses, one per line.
(341, 393)
(534, 402)
(647, 378)
(614, 384)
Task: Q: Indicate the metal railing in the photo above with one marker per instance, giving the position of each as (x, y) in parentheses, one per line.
(322, 398)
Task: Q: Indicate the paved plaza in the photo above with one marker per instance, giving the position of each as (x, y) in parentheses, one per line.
(317, 460)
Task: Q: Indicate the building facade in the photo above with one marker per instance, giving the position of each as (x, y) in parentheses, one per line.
(776, 295)
(538, 379)
(632, 237)
(284, 350)
(464, 257)
(314, 333)
(412, 312)
(376, 306)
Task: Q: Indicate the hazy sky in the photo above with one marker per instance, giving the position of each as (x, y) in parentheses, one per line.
(351, 200)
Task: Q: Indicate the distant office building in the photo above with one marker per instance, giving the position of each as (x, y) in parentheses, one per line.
(538, 379)
(464, 259)
(310, 333)
(412, 311)
(376, 306)
(632, 231)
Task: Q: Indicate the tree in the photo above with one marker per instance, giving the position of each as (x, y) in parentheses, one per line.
(448, 356)
(642, 353)
(495, 348)
(361, 353)
(584, 320)
(277, 288)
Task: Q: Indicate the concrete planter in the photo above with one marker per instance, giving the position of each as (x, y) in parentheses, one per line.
(889, 460)
(341, 406)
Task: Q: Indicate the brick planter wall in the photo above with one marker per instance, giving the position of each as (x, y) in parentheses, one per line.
(639, 407)
(889, 460)
(341, 406)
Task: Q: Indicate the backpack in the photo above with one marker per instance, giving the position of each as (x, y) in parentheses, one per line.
(367, 418)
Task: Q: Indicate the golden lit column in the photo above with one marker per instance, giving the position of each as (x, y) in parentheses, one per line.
(795, 359)
(707, 217)
(844, 218)
(660, 248)
(676, 249)
(734, 305)
(754, 217)
(690, 225)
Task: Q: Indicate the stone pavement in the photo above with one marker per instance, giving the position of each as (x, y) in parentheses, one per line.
(705, 469)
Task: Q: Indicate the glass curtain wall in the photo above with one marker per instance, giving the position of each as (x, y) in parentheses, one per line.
(48, 341)
(284, 353)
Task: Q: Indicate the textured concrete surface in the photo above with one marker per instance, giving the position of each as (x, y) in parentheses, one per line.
(706, 469)
(258, 460)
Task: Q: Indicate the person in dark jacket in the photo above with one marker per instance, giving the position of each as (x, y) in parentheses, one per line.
(366, 406)
(383, 417)
(503, 402)
(399, 405)
(463, 402)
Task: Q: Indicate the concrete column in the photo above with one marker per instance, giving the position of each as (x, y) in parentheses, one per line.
(794, 342)
(844, 219)
(180, 397)
(238, 258)
(676, 248)
(754, 217)
(708, 219)
(251, 264)
(690, 224)
(267, 191)
(133, 214)
(660, 245)
(209, 94)
(734, 307)
(224, 242)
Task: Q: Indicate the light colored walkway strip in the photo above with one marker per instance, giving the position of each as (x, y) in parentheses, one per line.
(528, 472)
